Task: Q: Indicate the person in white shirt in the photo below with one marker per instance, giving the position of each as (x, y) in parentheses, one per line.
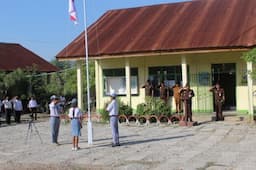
(32, 106)
(8, 109)
(18, 108)
(112, 108)
(54, 118)
(76, 115)
(1, 104)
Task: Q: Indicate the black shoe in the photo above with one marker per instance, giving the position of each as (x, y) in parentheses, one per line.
(114, 145)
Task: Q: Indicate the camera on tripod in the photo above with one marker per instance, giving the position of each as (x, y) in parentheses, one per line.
(31, 116)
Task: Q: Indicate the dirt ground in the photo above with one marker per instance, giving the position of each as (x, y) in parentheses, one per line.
(210, 145)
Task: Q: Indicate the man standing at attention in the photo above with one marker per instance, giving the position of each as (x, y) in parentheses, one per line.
(149, 90)
(164, 92)
(176, 93)
(186, 95)
(112, 108)
(219, 98)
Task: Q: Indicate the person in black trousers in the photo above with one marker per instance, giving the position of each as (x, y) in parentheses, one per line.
(186, 96)
(219, 98)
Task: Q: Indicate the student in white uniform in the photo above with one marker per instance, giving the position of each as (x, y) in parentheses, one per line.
(76, 115)
(54, 118)
(112, 108)
(8, 109)
(1, 104)
(18, 108)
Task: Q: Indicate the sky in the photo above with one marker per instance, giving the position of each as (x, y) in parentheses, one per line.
(44, 27)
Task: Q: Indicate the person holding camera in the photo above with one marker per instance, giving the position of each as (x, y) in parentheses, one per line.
(54, 118)
(32, 106)
(219, 98)
(76, 116)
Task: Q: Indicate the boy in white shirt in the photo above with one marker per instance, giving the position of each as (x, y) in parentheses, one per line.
(8, 109)
(18, 108)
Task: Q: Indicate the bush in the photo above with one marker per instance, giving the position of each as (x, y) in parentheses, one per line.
(141, 109)
(104, 115)
(153, 106)
(124, 108)
(161, 108)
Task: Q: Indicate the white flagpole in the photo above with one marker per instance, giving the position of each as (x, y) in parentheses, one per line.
(89, 123)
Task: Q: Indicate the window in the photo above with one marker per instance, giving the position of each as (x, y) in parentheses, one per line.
(168, 74)
(114, 80)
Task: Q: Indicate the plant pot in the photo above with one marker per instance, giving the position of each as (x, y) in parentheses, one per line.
(132, 119)
(164, 119)
(153, 119)
(175, 118)
(122, 119)
(142, 120)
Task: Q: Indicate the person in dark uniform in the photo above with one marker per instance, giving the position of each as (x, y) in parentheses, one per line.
(164, 92)
(219, 98)
(176, 94)
(149, 89)
(186, 96)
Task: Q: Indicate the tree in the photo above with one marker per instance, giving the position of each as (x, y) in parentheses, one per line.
(250, 56)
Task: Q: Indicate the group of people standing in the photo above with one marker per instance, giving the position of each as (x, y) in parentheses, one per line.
(183, 97)
(15, 106)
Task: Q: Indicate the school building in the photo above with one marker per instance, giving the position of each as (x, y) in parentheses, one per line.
(199, 41)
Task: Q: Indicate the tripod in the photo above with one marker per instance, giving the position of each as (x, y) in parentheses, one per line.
(31, 124)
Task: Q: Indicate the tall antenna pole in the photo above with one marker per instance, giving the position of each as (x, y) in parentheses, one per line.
(89, 123)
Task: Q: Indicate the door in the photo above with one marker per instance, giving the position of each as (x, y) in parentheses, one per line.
(225, 75)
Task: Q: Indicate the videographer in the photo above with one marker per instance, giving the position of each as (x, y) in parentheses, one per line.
(32, 106)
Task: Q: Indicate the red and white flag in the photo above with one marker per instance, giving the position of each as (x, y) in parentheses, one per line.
(72, 11)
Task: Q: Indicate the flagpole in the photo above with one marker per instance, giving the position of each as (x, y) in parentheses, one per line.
(89, 123)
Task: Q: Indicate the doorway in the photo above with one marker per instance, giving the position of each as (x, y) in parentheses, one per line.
(225, 75)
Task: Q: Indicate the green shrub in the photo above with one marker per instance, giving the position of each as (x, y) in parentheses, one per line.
(124, 108)
(104, 114)
(161, 108)
(153, 106)
(140, 110)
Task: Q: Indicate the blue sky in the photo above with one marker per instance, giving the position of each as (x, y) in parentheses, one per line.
(43, 26)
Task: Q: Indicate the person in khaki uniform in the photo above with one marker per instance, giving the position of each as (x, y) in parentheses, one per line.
(186, 96)
(176, 94)
(219, 98)
(149, 89)
(164, 92)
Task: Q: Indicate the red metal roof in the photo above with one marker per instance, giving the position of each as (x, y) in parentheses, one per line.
(184, 26)
(13, 56)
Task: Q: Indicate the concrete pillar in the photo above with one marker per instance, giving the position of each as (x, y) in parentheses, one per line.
(184, 70)
(79, 85)
(250, 88)
(97, 83)
(128, 81)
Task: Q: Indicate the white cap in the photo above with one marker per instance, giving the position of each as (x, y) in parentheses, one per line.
(113, 94)
(53, 97)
